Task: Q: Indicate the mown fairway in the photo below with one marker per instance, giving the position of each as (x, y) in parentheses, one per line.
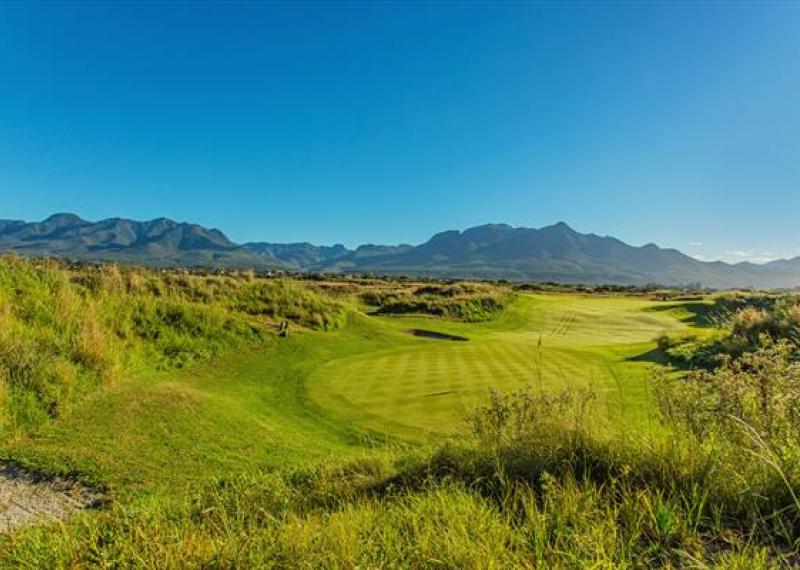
(423, 385)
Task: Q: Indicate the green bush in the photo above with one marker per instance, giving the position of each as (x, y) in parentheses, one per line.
(462, 301)
(751, 402)
(741, 324)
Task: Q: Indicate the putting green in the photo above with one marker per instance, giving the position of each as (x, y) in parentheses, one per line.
(416, 386)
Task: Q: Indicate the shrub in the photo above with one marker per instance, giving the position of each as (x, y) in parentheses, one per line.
(748, 402)
(531, 416)
(469, 306)
(742, 324)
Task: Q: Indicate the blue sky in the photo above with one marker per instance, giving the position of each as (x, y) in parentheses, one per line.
(673, 123)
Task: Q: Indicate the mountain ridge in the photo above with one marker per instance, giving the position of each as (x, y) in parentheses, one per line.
(157, 242)
(493, 251)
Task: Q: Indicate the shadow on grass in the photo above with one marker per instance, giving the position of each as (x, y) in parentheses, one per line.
(654, 356)
(436, 335)
(700, 313)
(659, 356)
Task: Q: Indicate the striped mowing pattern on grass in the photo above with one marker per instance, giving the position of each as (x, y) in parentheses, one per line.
(430, 385)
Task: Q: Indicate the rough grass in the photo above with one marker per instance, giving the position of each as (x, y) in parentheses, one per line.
(550, 495)
(65, 332)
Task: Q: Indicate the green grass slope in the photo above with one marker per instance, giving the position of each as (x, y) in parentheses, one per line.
(416, 386)
(165, 431)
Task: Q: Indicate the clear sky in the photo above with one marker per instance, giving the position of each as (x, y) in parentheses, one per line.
(673, 123)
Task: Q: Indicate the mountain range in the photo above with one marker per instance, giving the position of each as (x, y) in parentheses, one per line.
(492, 251)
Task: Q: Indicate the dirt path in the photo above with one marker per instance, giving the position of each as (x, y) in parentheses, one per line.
(28, 497)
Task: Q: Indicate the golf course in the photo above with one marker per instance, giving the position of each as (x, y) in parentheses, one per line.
(316, 394)
(165, 419)
(408, 386)
(381, 285)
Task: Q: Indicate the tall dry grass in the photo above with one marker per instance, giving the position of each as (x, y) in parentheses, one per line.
(66, 330)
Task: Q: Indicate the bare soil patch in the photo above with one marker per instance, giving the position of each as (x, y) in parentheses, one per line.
(31, 497)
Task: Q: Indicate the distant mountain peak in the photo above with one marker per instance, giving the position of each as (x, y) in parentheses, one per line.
(64, 218)
(492, 226)
(559, 226)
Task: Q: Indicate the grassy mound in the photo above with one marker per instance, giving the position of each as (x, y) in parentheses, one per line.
(471, 302)
(65, 331)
